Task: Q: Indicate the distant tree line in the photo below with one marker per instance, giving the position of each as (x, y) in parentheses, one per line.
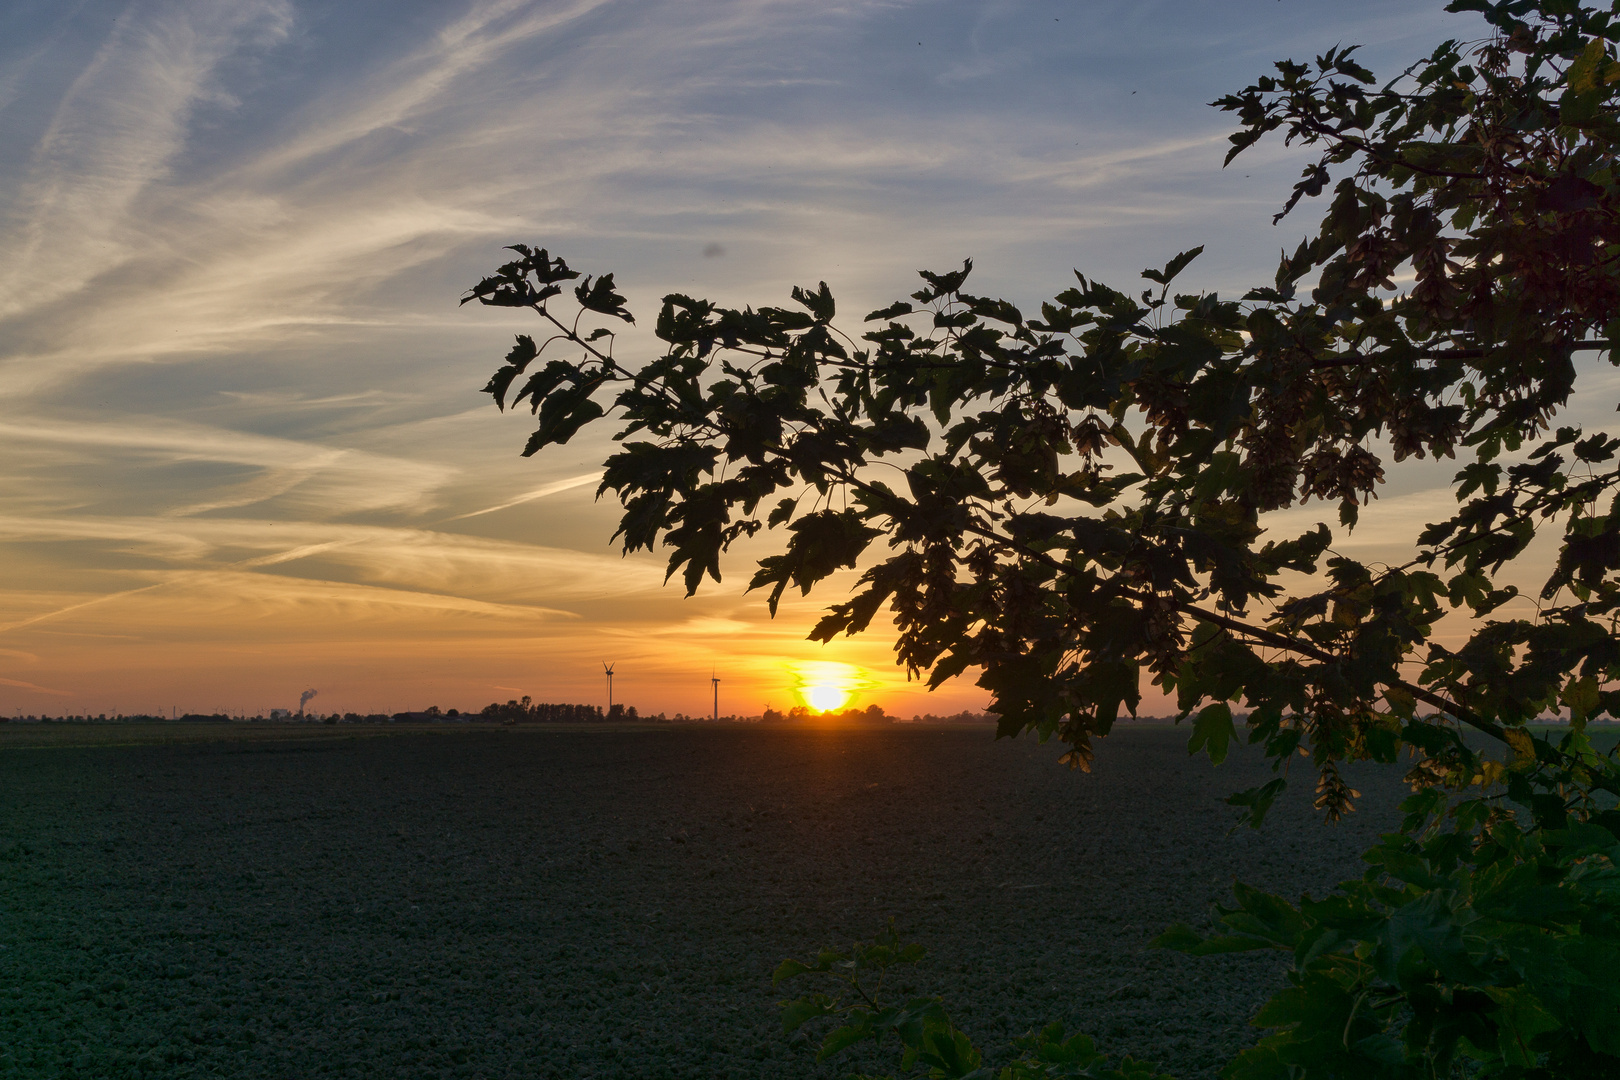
(523, 711)
(526, 711)
(532, 712)
(799, 714)
(964, 717)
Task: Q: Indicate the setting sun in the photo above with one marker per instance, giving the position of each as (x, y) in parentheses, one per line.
(825, 698)
(826, 686)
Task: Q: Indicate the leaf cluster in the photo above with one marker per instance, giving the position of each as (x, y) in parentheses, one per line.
(1446, 959)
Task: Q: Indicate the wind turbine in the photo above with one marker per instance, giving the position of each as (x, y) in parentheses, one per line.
(716, 681)
(607, 667)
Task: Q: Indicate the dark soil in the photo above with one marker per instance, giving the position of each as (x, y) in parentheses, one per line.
(610, 903)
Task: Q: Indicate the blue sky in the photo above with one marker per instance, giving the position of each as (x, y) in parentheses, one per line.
(242, 447)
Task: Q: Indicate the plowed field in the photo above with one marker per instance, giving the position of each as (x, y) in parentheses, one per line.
(458, 901)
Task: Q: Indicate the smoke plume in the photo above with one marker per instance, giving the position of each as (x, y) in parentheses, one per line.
(303, 699)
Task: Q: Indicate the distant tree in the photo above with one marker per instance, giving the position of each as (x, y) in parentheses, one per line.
(1081, 507)
(531, 712)
(966, 716)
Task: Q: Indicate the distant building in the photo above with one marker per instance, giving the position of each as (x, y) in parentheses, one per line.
(281, 714)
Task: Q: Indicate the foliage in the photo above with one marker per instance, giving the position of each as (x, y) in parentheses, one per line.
(1494, 959)
(926, 1036)
(537, 712)
(1075, 502)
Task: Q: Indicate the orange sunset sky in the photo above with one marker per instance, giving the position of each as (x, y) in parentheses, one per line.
(243, 450)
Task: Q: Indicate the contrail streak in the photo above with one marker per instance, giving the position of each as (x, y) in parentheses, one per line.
(538, 493)
(34, 686)
(300, 552)
(262, 560)
(75, 607)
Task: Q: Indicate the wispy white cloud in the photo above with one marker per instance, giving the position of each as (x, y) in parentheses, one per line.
(291, 241)
(414, 559)
(338, 480)
(222, 604)
(19, 71)
(399, 94)
(115, 134)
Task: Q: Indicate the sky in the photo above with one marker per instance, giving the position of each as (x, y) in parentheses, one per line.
(243, 448)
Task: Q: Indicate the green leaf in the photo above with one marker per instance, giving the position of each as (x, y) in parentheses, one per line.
(843, 1038)
(819, 302)
(787, 969)
(1257, 801)
(1591, 69)
(1263, 915)
(797, 1013)
(821, 543)
(516, 361)
(783, 512)
(1174, 266)
(1428, 926)
(1213, 731)
(1581, 695)
(950, 1054)
(898, 308)
(1519, 1018)
(561, 417)
(601, 298)
(940, 285)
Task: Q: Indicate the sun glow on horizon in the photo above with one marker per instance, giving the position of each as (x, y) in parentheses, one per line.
(827, 686)
(825, 698)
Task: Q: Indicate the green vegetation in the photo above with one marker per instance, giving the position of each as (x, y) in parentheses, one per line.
(1082, 508)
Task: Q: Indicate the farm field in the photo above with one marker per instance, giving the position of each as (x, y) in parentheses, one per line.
(282, 901)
